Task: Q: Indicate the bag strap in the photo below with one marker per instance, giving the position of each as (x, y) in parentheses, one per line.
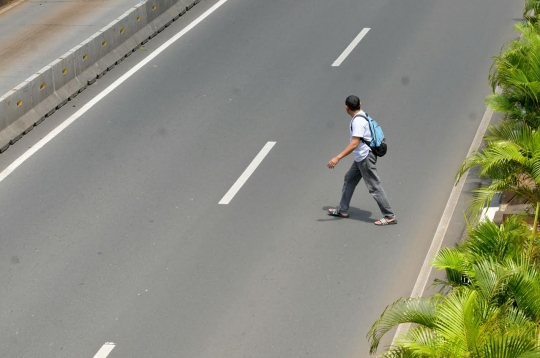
(369, 125)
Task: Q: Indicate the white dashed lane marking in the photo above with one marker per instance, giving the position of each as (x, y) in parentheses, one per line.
(105, 350)
(247, 173)
(351, 47)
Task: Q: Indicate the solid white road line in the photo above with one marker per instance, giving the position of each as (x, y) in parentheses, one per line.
(105, 92)
(351, 47)
(438, 238)
(105, 350)
(247, 173)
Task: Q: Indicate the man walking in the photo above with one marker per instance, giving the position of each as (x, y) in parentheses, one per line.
(362, 167)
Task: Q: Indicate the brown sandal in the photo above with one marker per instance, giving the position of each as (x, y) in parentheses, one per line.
(385, 221)
(336, 212)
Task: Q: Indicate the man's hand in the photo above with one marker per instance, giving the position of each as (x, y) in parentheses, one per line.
(355, 142)
(332, 163)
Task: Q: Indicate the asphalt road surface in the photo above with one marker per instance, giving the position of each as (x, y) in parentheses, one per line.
(113, 231)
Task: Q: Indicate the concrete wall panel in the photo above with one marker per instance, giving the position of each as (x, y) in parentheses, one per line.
(43, 85)
(66, 84)
(165, 19)
(4, 135)
(105, 40)
(16, 103)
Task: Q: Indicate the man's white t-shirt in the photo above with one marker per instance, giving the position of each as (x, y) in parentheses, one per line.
(360, 128)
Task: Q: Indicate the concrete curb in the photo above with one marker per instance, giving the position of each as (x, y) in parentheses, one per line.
(37, 98)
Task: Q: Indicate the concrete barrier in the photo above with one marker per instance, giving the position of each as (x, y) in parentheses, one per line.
(52, 87)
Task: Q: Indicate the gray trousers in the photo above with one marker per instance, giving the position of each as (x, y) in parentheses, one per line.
(365, 169)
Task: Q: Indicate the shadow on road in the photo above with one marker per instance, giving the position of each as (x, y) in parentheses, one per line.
(354, 214)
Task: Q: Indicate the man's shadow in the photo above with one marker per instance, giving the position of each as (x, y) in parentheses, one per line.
(354, 214)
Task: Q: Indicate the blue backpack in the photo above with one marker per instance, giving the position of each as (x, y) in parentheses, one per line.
(378, 143)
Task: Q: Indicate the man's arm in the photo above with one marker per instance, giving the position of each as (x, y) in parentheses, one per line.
(352, 146)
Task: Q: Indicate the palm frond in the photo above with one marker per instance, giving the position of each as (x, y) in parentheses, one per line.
(421, 311)
(455, 263)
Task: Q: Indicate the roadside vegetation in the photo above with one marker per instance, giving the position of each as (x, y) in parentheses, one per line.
(489, 304)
